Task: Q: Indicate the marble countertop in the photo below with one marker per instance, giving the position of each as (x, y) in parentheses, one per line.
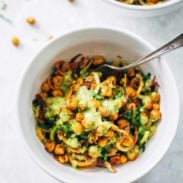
(53, 18)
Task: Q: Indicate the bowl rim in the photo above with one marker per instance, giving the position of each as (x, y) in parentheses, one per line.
(144, 8)
(27, 147)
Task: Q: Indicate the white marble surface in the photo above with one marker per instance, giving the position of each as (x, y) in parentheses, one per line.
(53, 18)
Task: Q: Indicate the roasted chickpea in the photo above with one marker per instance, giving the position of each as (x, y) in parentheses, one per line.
(50, 146)
(96, 103)
(63, 159)
(15, 41)
(103, 111)
(31, 20)
(128, 141)
(148, 106)
(57, 93)
(156, 106)
(73, 104)
(102, 141)
(45, 87)
(59, 149)
(118, 159)
(111, 80)
(155, 114)
(122, 123)
(106, 91)
(113, 116)
(77, 128)
(110, 134)
(79, 117)
(57, 80)
(155, 96)
(80, 81)
(130, 91)
(98, 60)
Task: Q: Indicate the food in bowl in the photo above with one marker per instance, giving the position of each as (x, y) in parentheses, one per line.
(141, 2)
(88, 118)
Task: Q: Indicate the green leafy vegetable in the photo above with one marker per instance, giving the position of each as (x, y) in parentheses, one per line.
(97, 96)
(119, 95)
(147, 77)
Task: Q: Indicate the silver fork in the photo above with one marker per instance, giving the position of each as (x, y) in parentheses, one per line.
(170, 46)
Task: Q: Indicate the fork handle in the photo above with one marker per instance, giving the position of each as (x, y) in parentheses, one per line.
(170, 46)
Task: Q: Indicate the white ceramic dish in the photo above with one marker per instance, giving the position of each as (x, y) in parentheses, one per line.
(146, 11)
(110, 43)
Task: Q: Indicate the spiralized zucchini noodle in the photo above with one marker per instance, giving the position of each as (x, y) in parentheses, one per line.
(87, 118)
(141, 2)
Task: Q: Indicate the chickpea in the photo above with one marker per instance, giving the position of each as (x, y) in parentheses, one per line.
(77, 128)
(57, 93)
(118, 159)
(122, 123)
(102, 141)
(111, 80)
(57, 80)
(148, 106)
(155, 96)
(96, 103)
(146, 100)
(156, 106)
(80, 81)
(113, 116)
(73, 104)
(131, 72)
(15, 41)
(79, 117)
(155, 114)
(130, 91)
(45, 87)
(50, 146)
(31, 20)
(106, 91)
(59, 149)
(103, 111)
(133, 153)
(110, 133)
(75, 87)
(98, 60)
(63, 159)
(123, 159)
(128, 141)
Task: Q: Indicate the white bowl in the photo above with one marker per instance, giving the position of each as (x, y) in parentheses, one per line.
(110, 43)
(146, 11)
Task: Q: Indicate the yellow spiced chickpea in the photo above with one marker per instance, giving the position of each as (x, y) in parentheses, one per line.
(73, 104)
(15, 41)
(31, 20)
(79, 117)
(63, 159)
(50, 146)
(59, 149)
